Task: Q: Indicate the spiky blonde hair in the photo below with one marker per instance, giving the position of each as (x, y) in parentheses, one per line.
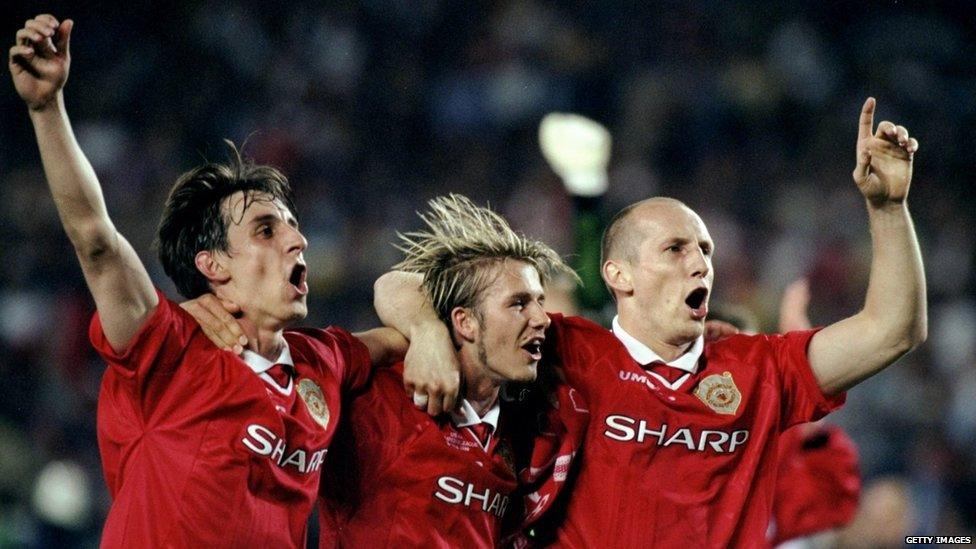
(460, 250)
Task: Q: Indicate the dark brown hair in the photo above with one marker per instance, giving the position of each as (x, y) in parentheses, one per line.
(194, 221)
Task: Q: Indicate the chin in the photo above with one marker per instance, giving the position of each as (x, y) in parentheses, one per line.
(298, 313)
(526, 374)
(689, 333)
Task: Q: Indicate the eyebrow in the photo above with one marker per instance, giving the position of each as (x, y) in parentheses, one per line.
(680, 240)
(269, 218)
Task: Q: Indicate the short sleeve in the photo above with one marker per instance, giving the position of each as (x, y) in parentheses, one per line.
(803, 400)
(156, 347)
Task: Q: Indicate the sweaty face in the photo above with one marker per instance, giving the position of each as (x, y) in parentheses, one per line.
(671, 272)
(512, 324)
(264, 261)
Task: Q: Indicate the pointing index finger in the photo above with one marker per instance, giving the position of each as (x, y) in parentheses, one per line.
(867, 119)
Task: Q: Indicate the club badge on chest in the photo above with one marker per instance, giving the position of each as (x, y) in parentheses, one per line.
(719, 393)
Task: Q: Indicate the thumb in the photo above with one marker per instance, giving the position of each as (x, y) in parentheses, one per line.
(230, 306)
(62, 39)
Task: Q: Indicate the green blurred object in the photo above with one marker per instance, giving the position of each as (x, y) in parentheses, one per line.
(588, 227)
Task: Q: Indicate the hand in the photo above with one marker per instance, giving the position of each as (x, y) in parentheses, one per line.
(793, 307)
(431, 370)
(40, 59)
(216, 318)
(884, 159)
(718, 329)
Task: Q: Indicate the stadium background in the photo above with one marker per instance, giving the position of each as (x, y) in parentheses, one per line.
(745, 110)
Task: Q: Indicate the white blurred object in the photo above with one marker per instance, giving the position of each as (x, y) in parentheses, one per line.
(578, 150)
(61, 495)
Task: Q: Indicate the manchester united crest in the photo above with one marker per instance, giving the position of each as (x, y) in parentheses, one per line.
(314, 401)
(719, 393)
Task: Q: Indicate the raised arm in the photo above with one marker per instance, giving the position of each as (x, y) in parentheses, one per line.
(894, 319)
(122, 290)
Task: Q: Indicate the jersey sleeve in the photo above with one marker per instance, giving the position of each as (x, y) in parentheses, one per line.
(155, 349)
(803, 400)
(353, 365)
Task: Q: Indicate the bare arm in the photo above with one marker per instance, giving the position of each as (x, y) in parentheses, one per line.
(894, 318)
(118, 281)
(431, 366)
(386, 345)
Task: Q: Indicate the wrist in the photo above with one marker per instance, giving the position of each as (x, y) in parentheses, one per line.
(53, 106)
(427, 327)
(887, 206)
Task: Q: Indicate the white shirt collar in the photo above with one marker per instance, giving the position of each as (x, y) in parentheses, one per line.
(259, 364)
(467, 416)
(644, 355)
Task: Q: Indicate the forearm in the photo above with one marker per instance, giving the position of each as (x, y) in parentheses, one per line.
(893, 320)
(120, 285)
(73, 183)
(431, 365)
(401, 304)
(896, 299)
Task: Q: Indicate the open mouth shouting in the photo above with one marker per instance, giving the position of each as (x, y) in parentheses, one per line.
(297, 278)
(696, 301)
(534, 348)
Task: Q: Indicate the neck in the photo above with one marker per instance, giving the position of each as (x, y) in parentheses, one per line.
(480, 389)
(266, 342)
(667, 350)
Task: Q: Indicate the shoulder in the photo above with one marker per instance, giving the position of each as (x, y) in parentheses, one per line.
(753, 346)
(575, 323)
(331, 343)
(578, 330)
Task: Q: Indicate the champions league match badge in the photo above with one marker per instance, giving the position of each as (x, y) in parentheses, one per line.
(719, 393)
(314, 401)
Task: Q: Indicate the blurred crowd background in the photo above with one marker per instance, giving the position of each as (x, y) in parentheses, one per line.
(745, 110)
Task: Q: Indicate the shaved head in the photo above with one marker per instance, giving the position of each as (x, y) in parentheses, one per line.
(657, 264)
(623, 235)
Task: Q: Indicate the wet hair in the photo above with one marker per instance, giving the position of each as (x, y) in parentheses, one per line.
(194, 220)
(461, 249)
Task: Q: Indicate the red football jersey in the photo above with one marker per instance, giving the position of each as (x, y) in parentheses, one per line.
(818, 484)
(692, 467)
(195, 451)
(398, 478)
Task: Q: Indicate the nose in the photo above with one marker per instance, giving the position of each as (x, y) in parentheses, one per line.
(701, 265)
(538, 319)
(296, 241)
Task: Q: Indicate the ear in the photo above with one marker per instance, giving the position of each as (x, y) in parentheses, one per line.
(618, 276)
(209, 265)
(465, 323)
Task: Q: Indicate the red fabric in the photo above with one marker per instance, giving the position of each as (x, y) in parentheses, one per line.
(818, 483)
(396, 477)
(482, 432)
(661, 468)
(667, 372)
(280, 373)
(196, 454)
